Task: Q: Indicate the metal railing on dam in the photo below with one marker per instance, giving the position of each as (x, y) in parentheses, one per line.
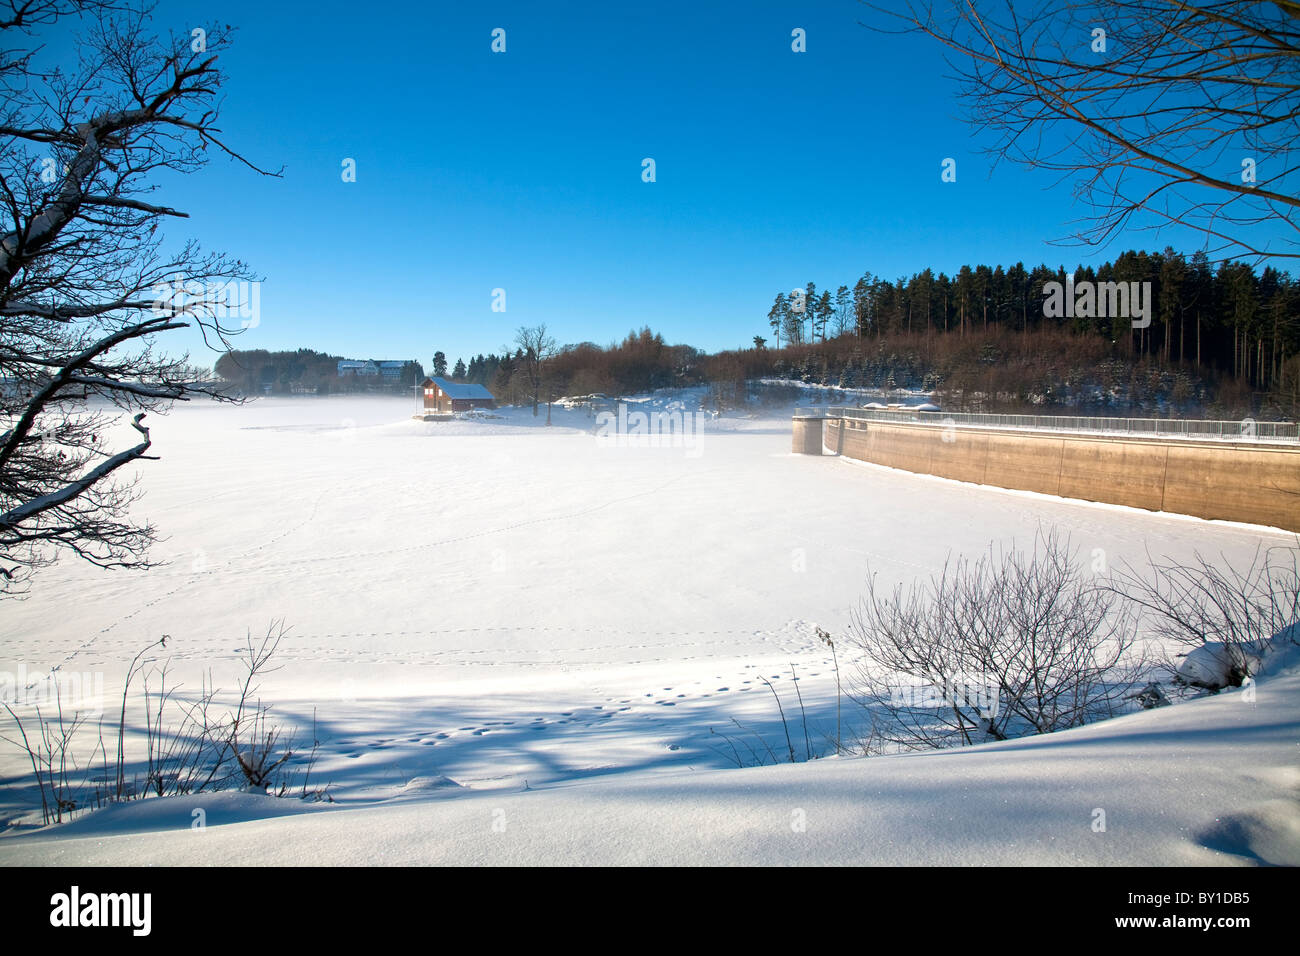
(1215, 470)
(1244, 429)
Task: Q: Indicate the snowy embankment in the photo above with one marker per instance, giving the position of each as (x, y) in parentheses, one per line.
(1212, 781)
(557, 625)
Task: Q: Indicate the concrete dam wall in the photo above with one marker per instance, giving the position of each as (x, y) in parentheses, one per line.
(1232, 481)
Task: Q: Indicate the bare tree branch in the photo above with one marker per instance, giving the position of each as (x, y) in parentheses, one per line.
(1163, 112)
(87, 282)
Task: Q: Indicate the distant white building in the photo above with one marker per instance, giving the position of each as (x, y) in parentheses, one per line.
(373, 368)
(358, 368)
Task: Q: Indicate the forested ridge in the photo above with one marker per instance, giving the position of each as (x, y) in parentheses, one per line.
(1230, 318)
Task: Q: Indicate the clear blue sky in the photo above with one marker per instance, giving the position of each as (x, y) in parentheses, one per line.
(522, 170)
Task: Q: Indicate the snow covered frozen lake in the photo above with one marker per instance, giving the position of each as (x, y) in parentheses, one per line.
(556, 624)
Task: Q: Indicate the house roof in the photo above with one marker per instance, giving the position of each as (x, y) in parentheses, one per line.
(453, 390)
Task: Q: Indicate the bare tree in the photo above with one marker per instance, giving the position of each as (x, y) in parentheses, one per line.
(1184, 113)
(535, 348)
(87, 282)
(991, 649)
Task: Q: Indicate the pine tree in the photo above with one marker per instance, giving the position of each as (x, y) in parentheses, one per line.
(843, 310)
(810, 312)
(862, 304)
(822, 314)
(778, 315)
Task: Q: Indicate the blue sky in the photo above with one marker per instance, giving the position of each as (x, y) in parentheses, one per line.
(522, 170)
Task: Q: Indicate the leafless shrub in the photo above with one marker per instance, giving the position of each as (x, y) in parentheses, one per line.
(61, 782)
(131, 671)
(832, 743)
(1244, 610)
(1000, 647)
(306, 791)
(183, 752)
(190, 747)
(259, 749)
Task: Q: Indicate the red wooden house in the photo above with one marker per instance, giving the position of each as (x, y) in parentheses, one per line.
(442, 397)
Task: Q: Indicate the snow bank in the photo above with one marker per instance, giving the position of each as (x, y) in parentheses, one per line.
(1208, 782)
